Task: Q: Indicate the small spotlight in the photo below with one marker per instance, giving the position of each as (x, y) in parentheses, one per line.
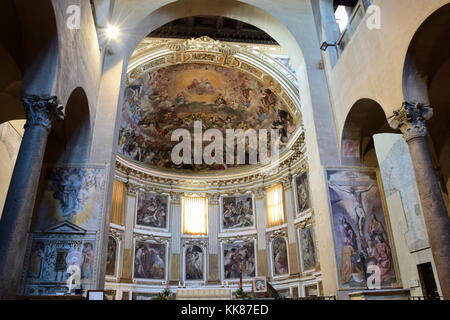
(112, 32)
(325, 46)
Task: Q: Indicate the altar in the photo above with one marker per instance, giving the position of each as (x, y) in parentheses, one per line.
(203, 294)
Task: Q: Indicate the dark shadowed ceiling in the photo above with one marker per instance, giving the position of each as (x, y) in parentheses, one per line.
(218, 28)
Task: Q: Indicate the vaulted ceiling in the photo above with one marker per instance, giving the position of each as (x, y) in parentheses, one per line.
(218, 28)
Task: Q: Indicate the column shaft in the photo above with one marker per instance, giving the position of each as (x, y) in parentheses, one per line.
(18, 209)
(411, 120)
(19, 205)
(434, 210)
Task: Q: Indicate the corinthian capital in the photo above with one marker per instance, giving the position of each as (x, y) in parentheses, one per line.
(411, 119)
(42, 111)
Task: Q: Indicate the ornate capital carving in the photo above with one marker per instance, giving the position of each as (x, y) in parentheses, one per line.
(42, 111)
(411, 119)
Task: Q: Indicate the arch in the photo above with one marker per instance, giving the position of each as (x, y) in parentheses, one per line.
(427, 51)
(39, 45)
(112, 256)
(11, 63)
(238, 10)
(425, 79)
(365, 119)
(69, 141)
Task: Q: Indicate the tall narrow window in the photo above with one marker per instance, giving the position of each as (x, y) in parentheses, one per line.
(195, 215)
(118, 203)
(274, 205)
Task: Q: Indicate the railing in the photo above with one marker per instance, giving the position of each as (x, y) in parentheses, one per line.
(430, 297)
(354, 21)
(311, 298)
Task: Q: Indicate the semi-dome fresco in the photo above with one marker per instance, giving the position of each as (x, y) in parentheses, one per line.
(173, 97)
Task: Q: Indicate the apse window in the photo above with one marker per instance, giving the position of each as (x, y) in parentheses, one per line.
(195, 215)
(342, 17)
(275, 205)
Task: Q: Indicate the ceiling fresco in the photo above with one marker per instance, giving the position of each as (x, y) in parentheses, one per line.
(161, 101)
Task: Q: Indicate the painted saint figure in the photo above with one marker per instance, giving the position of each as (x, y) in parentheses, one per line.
(356, 194)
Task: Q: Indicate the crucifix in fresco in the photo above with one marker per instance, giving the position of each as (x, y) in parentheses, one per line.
(355, 189)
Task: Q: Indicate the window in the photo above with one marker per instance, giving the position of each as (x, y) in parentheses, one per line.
(341, 18)
(274, 205)
(194, 215)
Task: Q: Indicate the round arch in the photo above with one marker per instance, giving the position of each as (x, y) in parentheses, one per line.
(238, 10)
(425, 80)
(365, 119)
(69, 139)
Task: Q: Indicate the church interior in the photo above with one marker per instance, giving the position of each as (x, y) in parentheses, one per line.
(225, 149)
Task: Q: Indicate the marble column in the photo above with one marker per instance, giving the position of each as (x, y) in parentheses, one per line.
(260, 211)
(128, 237)
(289, 209)
(411, 120)
(213, 241)
(175, 229)
(19, 205)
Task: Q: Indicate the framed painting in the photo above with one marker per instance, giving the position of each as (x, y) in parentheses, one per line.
(194, 263)
(152, 210)
(238, 257)
(360, 229)
(112, 256)
(279, 257)
(307, 249)
(237, 212)
(150, 260)
(260, 285)
(302, 193)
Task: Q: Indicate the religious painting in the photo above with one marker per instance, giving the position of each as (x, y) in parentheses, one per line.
(239, 258)
(259, 285)
(150, 260)
(55, 258)
(308, 248)
(194, 263)
(110, 294)
(173, 97)
(237, 212)
(74, 194)
(111, 256)
(359, 226)
(152, 210)
(280, 262)
(350, 148)
(302, 192)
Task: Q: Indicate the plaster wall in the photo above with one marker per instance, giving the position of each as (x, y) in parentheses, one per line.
(372, 64)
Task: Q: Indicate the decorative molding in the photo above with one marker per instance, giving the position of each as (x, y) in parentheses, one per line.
(238, 238)
(151, 237)
(411, 119)
(276, 234)
(229, 180)
(117, 234)
(195, 242)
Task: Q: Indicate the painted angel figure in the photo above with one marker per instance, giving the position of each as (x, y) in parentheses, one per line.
(356, 193)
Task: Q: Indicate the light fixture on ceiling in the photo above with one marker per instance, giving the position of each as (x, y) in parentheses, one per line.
(112, 32)
(325, 45)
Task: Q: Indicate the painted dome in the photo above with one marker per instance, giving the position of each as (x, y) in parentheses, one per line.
(174, 97)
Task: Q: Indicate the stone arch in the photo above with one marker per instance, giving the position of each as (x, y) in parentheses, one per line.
(28, 53)
(69, 140)
(425, 80)
(238, 10)
(365, 119)
(11, 64)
